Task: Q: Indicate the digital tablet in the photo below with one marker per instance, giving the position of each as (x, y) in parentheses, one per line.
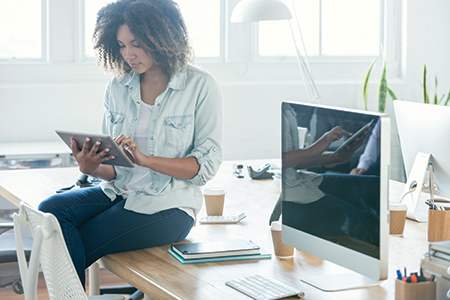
(106, 142)
(352, 138)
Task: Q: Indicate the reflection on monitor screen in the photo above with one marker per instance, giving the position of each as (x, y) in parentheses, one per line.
(334, 189)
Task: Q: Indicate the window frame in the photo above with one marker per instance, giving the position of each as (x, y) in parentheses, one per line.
(238, 61)
(222, 39)
(222, 32)
(390, 30)
(82, 33)
(44, 38)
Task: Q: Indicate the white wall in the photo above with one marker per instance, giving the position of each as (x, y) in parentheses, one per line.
(36, 100)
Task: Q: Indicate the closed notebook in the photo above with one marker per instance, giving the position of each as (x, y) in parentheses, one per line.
(262, 255)
(216, 249)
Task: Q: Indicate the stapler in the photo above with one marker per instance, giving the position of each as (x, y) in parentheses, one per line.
(83, 181)
(261, 173)
(238, 171)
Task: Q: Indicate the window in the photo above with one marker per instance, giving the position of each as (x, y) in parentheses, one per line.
(22, 29)
(350, 27)
(346, 34)
(203, 28)
(329, 28)
(91, 7)
(203, 20)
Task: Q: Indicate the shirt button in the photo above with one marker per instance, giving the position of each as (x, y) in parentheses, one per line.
(214, 149)
(151, 138)
(156, 189)
(154, 120)
(157, 104)
(138, 102)
(124, 187)
(179, 124)
(128, 171)
(131, 88)
(135, 119)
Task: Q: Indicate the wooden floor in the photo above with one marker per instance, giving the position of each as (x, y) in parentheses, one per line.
(106, 279)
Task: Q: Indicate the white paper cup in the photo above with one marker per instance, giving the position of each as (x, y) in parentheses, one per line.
(214, 200)
(397, 218)
(281, 250)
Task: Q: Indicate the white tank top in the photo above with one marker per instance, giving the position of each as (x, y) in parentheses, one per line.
(141, 177)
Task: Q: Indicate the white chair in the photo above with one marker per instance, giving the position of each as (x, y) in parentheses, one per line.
(50, 252)
(9, 268)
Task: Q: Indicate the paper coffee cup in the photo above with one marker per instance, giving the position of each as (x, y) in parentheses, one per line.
(281, 250)
(214, 200)
(397, 218)
(438, 225)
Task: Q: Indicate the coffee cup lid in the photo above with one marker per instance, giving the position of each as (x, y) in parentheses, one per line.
(214, 191)
(398, 206)
(275, 225)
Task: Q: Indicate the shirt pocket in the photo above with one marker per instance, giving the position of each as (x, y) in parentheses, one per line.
(177, 133)
(116, 120)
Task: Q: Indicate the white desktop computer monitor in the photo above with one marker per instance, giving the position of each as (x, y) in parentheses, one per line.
(327, 212)
(424, 132)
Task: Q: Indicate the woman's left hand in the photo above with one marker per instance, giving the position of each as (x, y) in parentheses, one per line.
(130, 148)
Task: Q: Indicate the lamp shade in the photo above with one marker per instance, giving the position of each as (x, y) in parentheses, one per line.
(260, 10)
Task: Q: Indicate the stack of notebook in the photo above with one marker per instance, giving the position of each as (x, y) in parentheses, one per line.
(192, 253)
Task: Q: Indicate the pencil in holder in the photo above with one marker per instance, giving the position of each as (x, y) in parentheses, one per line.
(415, 291)
(438, 225)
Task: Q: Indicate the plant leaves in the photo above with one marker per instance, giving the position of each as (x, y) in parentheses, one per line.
(436, 101)
(448, 98)
(382, 93)
(426, 99)
(366, 82)
(391, 93)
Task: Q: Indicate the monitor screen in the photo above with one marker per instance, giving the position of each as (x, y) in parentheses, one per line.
(335, 186)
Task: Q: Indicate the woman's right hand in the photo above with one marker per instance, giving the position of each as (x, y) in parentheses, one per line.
(329, 137)
(89, 160)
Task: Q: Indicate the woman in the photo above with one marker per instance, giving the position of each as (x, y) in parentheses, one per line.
(166, 114)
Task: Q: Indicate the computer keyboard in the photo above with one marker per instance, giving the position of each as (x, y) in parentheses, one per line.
(261, 288)
(222, 219)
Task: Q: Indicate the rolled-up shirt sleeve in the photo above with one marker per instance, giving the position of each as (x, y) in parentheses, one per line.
(208, 131)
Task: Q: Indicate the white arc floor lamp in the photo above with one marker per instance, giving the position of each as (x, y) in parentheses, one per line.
(269, 10)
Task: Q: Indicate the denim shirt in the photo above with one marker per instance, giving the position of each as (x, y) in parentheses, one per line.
(296, 182)
(187, 121)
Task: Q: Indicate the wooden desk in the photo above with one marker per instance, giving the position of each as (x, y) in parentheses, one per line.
(155, 272)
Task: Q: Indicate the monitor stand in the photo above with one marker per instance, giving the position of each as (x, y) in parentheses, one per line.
(340, 282)
(417, 209)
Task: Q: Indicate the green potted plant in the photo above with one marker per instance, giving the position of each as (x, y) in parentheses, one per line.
(426, 98)
(383, 89)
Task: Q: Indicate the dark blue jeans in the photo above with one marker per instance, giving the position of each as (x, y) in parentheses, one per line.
(94, 226)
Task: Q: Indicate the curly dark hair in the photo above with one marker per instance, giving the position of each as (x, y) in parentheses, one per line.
(156, 24)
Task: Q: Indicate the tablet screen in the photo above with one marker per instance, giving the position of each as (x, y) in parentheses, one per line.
(106, 142)
(352, 138)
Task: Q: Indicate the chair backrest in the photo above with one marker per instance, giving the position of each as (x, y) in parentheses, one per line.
(50, 251)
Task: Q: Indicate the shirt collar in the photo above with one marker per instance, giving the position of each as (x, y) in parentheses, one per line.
(132, 79)
(176, 82)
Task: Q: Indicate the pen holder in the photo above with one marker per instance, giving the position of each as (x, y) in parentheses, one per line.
(438, 225)
(415, 291)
